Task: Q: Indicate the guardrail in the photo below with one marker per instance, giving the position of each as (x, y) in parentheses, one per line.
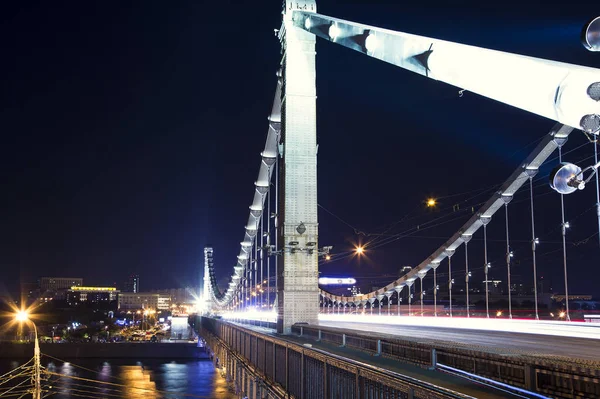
(305, 372)
(555, 377)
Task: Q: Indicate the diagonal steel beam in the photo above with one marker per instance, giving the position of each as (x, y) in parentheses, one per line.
(556, 90)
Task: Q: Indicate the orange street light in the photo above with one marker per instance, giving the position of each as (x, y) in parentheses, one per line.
(431, 202)
(359, 250)
(22, 316)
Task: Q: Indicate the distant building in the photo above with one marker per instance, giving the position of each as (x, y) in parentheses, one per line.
(181, 296)
(54, 284)
(91, 295)
(572, 297)
(133, 284)
(30, 291)
(143, 300)
(494, 286)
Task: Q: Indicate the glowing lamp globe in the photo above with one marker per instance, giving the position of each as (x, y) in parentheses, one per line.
(590, 35)
(563, 179)
(22, 316)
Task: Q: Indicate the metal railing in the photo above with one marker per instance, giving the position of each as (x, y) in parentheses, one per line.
(559, 378)
(305, 372)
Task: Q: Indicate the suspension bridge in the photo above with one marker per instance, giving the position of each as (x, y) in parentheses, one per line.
(275, 276)
(280, 246)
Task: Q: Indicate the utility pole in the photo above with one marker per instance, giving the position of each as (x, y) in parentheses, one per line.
(37, 387)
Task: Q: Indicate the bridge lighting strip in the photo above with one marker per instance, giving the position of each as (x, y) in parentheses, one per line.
(491, 383)
(540, 327)
(255, 315)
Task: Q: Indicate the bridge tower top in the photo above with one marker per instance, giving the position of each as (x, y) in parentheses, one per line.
(302, 5)
(206, 297)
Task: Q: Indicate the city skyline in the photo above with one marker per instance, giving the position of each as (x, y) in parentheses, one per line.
(119, 160)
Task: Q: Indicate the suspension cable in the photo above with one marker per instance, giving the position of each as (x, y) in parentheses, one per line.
(564, 238)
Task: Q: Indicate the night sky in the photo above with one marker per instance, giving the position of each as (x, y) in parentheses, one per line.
(131, 134)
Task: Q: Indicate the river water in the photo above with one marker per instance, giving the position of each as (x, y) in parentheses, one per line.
(123, 378)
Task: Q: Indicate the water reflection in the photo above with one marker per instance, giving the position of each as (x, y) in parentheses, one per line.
(120, 378)
(137, 382)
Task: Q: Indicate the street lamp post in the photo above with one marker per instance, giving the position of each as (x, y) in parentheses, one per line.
(23, 317)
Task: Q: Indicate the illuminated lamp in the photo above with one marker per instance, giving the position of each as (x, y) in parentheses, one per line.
(563, 179)
(590, 35)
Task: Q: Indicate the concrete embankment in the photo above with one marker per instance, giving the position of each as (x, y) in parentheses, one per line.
(133, 350)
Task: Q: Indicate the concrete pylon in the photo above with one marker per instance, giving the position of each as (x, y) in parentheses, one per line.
(298, 278)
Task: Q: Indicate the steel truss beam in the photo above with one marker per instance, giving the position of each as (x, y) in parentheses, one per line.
(556, 90)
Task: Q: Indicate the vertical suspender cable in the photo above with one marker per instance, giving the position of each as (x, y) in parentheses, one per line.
(466, 238)
(268, 305)
(255, 267)
(486, 268)
(262, 257)
(449, 253)
(534, 243)
(564, 240)
(508, 259)
(450, 281)
(421, 296)
(435, 289)
(275, 305)
(244, 287)
(597, 186)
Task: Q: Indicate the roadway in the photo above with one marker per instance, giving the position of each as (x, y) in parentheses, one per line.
(474, 390)
(541, 338)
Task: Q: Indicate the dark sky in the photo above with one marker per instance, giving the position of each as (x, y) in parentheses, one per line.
(131, 134)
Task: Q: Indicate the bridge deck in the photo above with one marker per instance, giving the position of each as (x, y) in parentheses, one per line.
(503, 342)
(434, 377)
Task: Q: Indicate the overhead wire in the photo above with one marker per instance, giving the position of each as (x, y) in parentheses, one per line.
(356, 230)
(24, 365)
(22, 374)
(395, 237)
(18, 394)
(375, 243)
(3, 394)
(548, 232)
(454, 207)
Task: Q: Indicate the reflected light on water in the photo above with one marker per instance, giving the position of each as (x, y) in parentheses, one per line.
(138, 382)
(176, 377)
(121, 378)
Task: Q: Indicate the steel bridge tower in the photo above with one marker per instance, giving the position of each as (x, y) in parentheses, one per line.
(206, 292)
(298, 290)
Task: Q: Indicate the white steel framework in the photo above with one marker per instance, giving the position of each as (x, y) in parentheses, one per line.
(555, 90)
